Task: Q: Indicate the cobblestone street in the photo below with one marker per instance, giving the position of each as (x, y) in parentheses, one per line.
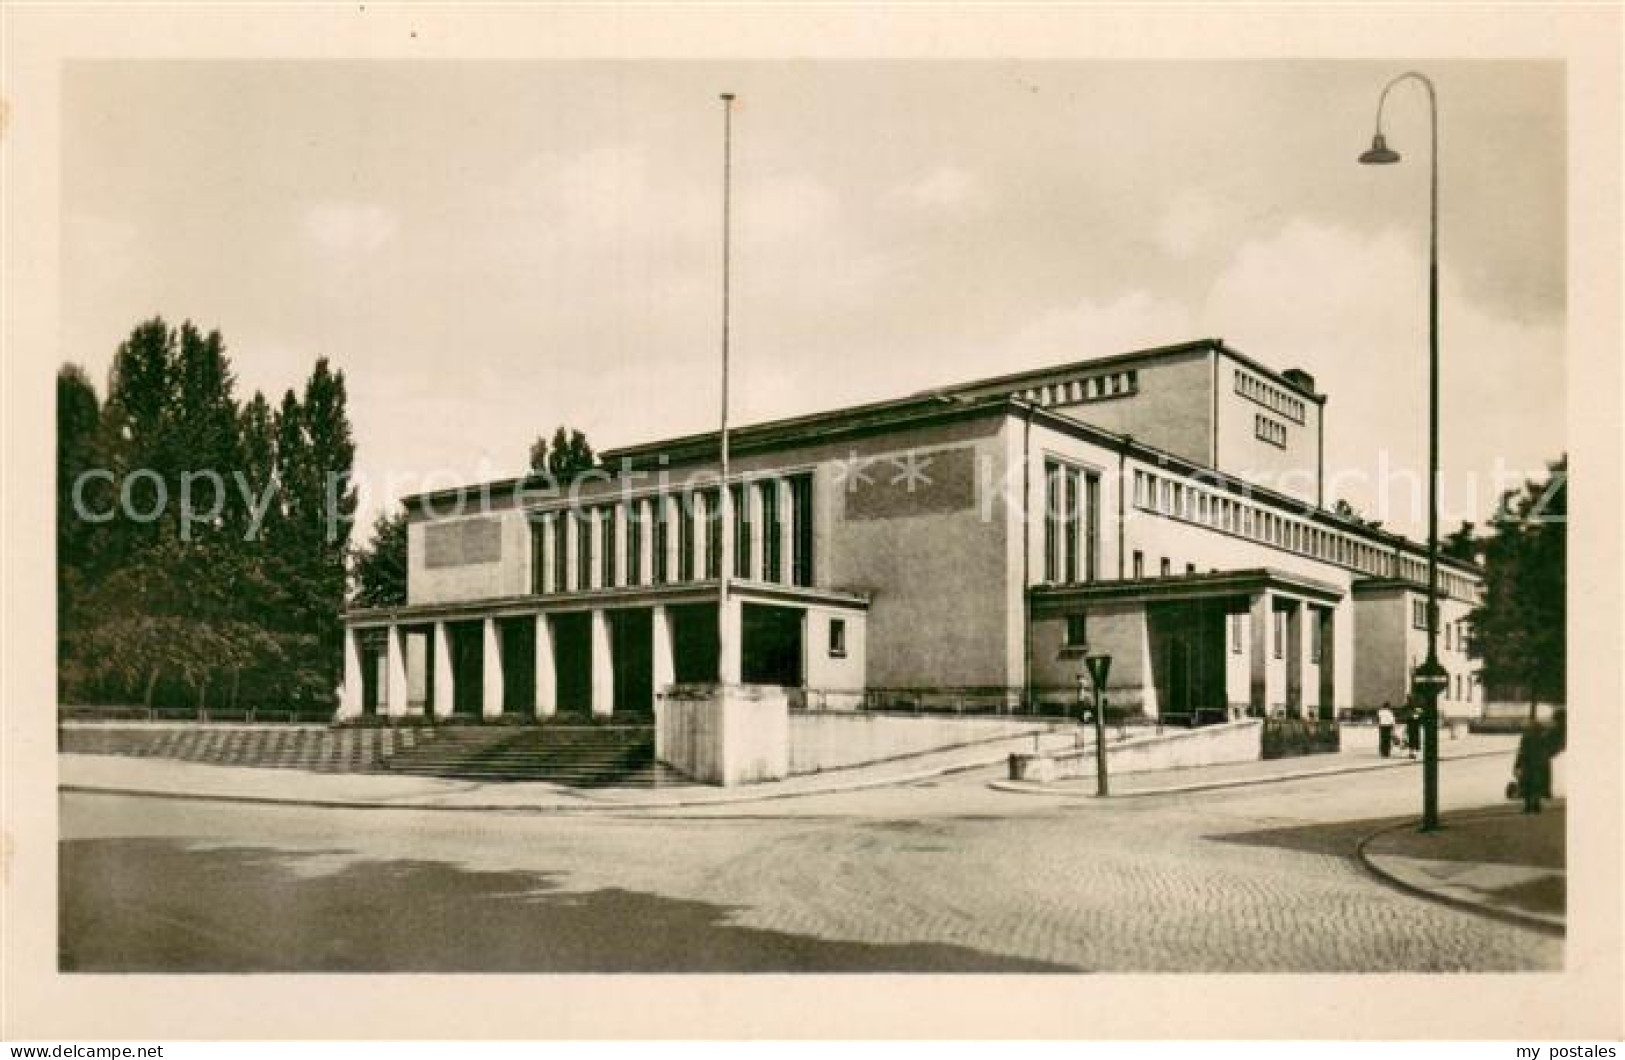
(943, 875)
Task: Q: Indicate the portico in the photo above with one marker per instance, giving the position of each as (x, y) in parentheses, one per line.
(602, 653)
(1199, 646)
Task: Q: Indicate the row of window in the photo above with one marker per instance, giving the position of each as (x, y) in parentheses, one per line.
(677, 538)
(1270, 396)
(1180, 500)
(1268, 430)
(1456, 634)
(1071, 523)
(1092, 388)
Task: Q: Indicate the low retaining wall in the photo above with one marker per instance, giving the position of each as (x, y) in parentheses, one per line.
(836, 740)
(319, 748)
(725, 735)
(1212, 745)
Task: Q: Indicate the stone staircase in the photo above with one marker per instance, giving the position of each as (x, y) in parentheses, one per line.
(581, 755)
(318, 748)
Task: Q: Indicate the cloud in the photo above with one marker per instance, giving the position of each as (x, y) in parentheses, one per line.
(1190, 224)
(1091, 327)
(348, 228)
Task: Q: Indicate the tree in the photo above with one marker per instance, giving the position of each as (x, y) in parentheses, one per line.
(1462, 543)
(1520, 630)
(379, 569)
(564, 459)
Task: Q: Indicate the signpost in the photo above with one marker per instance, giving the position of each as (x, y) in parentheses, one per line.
(1099, 667)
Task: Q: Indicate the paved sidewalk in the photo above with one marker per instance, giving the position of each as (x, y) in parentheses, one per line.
(1502, 862)
(1238, 774)
(117, 774)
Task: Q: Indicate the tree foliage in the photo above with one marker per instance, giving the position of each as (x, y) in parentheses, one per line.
(234, 600)
(1521, 630)
(380, 567)
(566, 457)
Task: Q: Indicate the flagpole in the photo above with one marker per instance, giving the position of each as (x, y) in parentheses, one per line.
(724, 493)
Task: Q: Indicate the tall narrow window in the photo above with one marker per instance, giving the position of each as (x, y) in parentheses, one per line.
(538, 555)
(559, 531)
(1139, 564)
(1167, 567)
(634, 543)
(1091, 552)
(1073, 484)
(583, 536)
(801, 529)
(741, 531)
(1052, 522)
(606, 545)
(713, 533)
(686, 517)
(772, 541)
(662, 529)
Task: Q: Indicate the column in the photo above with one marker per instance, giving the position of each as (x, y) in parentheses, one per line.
(350, 691)
(646, 551)
(603, 666)
(787, 535)
(399, 685)
(443, 691)
(1262, 636)
(665, 668)
(547, 681)
(1297, 649)
(730, 627)
(550, 541)
(491, 701)
(564, 524)
(619, 544)
(595, 534)
(674, 537)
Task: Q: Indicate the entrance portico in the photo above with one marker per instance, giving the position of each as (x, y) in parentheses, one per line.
(1198, 647)
(604, 653)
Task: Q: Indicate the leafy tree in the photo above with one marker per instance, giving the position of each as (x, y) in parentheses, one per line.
(566, 457)
(1520, 631)
(1462, 543)
(380, 567)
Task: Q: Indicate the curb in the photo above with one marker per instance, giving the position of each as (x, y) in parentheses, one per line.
(608, 808)
(1027, 788)
(1367, 861)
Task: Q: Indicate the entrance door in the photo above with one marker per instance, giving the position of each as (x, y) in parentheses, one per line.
(771, 645)
(467, 668)
(1179, 676)
(632, 649)
(518, 665)
(572, 654)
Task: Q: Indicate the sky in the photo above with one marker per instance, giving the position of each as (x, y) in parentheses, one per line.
(490, 249)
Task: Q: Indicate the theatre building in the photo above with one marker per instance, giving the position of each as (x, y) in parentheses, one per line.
(956, 548)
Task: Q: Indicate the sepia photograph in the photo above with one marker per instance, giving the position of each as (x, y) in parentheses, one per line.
(961, 517)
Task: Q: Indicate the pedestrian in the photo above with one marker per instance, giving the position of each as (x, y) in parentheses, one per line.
(1385, 730)
(1533, 767)
(1413, 730)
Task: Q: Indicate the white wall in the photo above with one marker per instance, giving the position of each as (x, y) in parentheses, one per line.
(821, 741)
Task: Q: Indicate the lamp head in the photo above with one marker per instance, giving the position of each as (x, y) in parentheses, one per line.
(1380, 154)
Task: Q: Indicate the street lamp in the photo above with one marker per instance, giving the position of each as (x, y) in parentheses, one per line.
(1430, 676)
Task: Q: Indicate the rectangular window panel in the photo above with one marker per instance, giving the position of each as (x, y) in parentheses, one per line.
(1077, 630)
(1280, 634)
(583, 537)
(801, 529)
(686, 516)
(772, 569)
(837, 638)
(741, 531)
(538, 555)
(634, 543)
(713, 533)
(1092, 528)
(1070, 538)
(606, 545)
(661, 530)
(1052, 518)
(561, 552)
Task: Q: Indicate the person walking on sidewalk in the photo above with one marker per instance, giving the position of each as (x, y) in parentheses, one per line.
(1533, 767)
(1385, 730)
(1413, 730)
